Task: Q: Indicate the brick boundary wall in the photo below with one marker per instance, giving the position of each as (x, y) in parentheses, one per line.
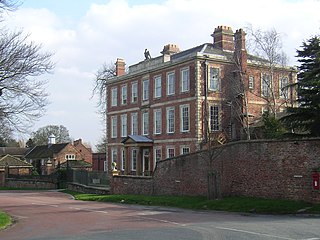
(30, 183)
(2, 178)
(87, 189)
(142, 185)
(268, 169)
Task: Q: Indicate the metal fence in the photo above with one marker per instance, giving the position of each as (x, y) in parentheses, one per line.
(89, 178)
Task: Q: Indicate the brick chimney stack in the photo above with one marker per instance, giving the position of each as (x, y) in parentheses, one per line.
(120, 67)
(170, 49)
(223, 38)
(240, 48)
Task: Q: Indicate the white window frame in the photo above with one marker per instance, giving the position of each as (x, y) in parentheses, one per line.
(114, 155)
(114, 132)
(183, 121)
(157, 154)
(134, 92)
(134, 159)
(123, 159)
(251, 82)
(134, 123)
(283, 87)
(157, 87)
(170, 120)
(214, 117)
(185, 80)
(171, 148)
(124, 125)
(114, 96)
(157, 121)
(70, 156)
(105, 166)
(214, 79)
(145, 89)
(183, 148)
(265, 84)
(145, 123)
(170, 83)
(124, 94)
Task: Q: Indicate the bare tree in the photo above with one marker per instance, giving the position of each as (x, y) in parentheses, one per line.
(267, 46)
(22, 97)
(212, 149)
(7, 5)
(106, 72)
(238, 99)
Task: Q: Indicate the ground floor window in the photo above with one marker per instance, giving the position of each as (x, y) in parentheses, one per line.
(170, 152)
(123, 159)
(185, 150)
(134, 157)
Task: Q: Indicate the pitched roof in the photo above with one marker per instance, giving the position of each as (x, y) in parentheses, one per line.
(76, 164)
(14, 151)
(12, 161)
(45, 151)
(138, 139)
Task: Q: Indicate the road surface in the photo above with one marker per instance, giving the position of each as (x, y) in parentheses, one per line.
(49, 215)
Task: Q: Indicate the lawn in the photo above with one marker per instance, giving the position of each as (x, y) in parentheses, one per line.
(232, 204)
(5, 220)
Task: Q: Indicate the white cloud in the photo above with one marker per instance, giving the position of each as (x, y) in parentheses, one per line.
(118, 29)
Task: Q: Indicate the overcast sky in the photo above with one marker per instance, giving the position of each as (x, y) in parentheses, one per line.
(85, 34)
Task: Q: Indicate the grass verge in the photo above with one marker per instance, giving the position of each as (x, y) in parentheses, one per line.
(231, 204)
(5, 220)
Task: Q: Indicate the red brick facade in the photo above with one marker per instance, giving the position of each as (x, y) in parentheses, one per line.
(85, 151)
(98, 161)
(192, 94)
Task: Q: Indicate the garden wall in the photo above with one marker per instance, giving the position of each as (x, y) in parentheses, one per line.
(87, 189)
(268, 169)
(30, 183)
(2, 177)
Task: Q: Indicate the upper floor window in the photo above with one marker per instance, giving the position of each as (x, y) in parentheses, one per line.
(134, 92)
(185, 118)
(113, 126)
(214, 79)
(265, 85)
(157, 87)
(170, 83)
(170, 120)
(185, 80)
(145, 123)
(251, 82)
(124, 94)
(114, 96)
(134, 123)
(124, 125)
(283, 87)
(157, 121)
(145, 90)
(214, 118)
(70, 157)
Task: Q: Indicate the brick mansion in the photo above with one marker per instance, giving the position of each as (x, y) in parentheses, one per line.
(178, 102)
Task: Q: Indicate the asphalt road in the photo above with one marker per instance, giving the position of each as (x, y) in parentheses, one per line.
(49, 215)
